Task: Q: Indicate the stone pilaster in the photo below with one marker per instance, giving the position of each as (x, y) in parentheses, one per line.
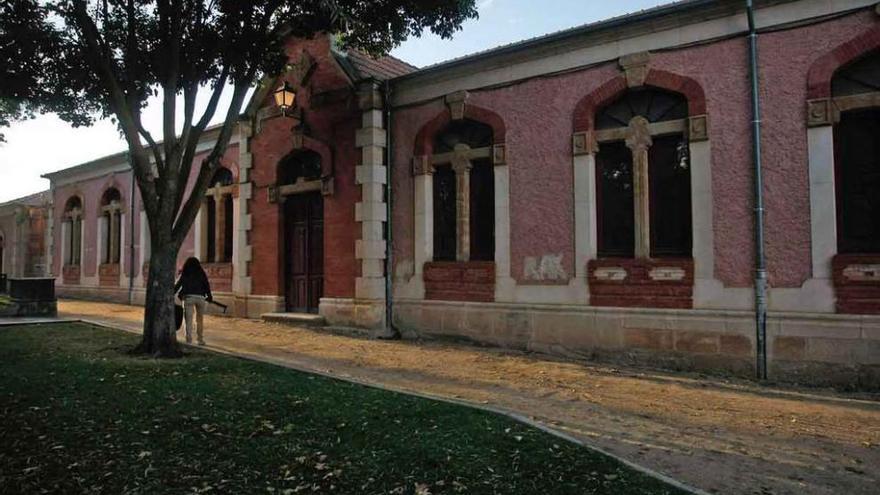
(242, 251)
(371, 211)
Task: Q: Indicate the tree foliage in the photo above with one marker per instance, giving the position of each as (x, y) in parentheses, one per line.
(106, 58)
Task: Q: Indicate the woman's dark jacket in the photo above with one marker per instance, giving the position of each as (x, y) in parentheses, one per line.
(194, 283)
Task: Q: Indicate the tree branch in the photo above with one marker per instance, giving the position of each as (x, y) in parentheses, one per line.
(105, 69)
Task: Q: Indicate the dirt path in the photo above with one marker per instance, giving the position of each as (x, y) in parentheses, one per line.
(724, 436)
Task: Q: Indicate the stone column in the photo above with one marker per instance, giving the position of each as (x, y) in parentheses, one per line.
(462, 165)
(371, 211)
(219, 225)
(638, 140)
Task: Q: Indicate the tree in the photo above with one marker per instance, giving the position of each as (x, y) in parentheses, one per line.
(28, 79)
(109, 56)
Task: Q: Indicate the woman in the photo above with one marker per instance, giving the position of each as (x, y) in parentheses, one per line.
(195, 290)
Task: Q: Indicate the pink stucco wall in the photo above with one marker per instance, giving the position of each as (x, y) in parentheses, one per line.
(90, 192)
(538, 116)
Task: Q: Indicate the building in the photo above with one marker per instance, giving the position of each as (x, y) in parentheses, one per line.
(587, 193)
(23, 237)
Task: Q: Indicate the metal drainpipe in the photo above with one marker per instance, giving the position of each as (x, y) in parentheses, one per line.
(389, 313)
(131, 271)
(760, 258)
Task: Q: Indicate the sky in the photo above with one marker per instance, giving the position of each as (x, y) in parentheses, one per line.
(47, 144)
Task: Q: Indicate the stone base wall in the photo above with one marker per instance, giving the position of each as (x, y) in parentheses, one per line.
(838, 350)
(353, 313)
(119, 295)
(256, 306)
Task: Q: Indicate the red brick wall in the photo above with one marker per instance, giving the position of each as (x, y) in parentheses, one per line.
(858, 291)
(639, 289)
(334, 124)
(472, 281)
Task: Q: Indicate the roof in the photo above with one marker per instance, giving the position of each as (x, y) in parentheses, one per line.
(119, 157)
(646, 15)
(363, 66)
(36, 199)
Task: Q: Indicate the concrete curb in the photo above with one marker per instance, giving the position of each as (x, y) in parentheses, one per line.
(482, 407)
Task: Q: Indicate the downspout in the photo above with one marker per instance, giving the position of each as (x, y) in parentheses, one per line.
(389, 303)
(131, 271)
(760, 258)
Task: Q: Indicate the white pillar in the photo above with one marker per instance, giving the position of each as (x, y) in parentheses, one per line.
(823, 206)
(122, 250)
(702, 210)
(504, 283)
(423, 235)
(102, 253)
(201, 233)
(586, 245)
(65, 242)
(144, 248)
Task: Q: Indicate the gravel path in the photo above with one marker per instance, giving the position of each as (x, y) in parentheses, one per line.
(724, 436)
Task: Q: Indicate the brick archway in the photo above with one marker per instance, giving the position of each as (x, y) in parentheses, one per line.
(823, 69)
(424, 143)
(585, 110)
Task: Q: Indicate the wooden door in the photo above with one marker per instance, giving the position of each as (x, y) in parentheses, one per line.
(304, 252)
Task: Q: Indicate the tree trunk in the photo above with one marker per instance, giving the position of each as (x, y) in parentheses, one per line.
(160, 331)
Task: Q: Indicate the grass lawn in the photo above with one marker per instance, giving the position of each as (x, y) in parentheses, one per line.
(79, 415)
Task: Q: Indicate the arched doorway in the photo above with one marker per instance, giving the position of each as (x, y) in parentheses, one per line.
(302, 207)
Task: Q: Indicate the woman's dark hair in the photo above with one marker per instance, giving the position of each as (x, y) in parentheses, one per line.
(192, 267)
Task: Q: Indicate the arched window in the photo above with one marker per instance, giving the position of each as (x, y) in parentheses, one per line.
(856, 97)
(111, 226)
(300, 167)
(464, 192)
(218, 217)
(643, 176)
(72, 230)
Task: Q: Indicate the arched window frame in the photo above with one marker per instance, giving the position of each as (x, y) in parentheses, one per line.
(848, 103)
(217, 218)
(110, 233)
(639, 135)
(467, 165)
(73, 230)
